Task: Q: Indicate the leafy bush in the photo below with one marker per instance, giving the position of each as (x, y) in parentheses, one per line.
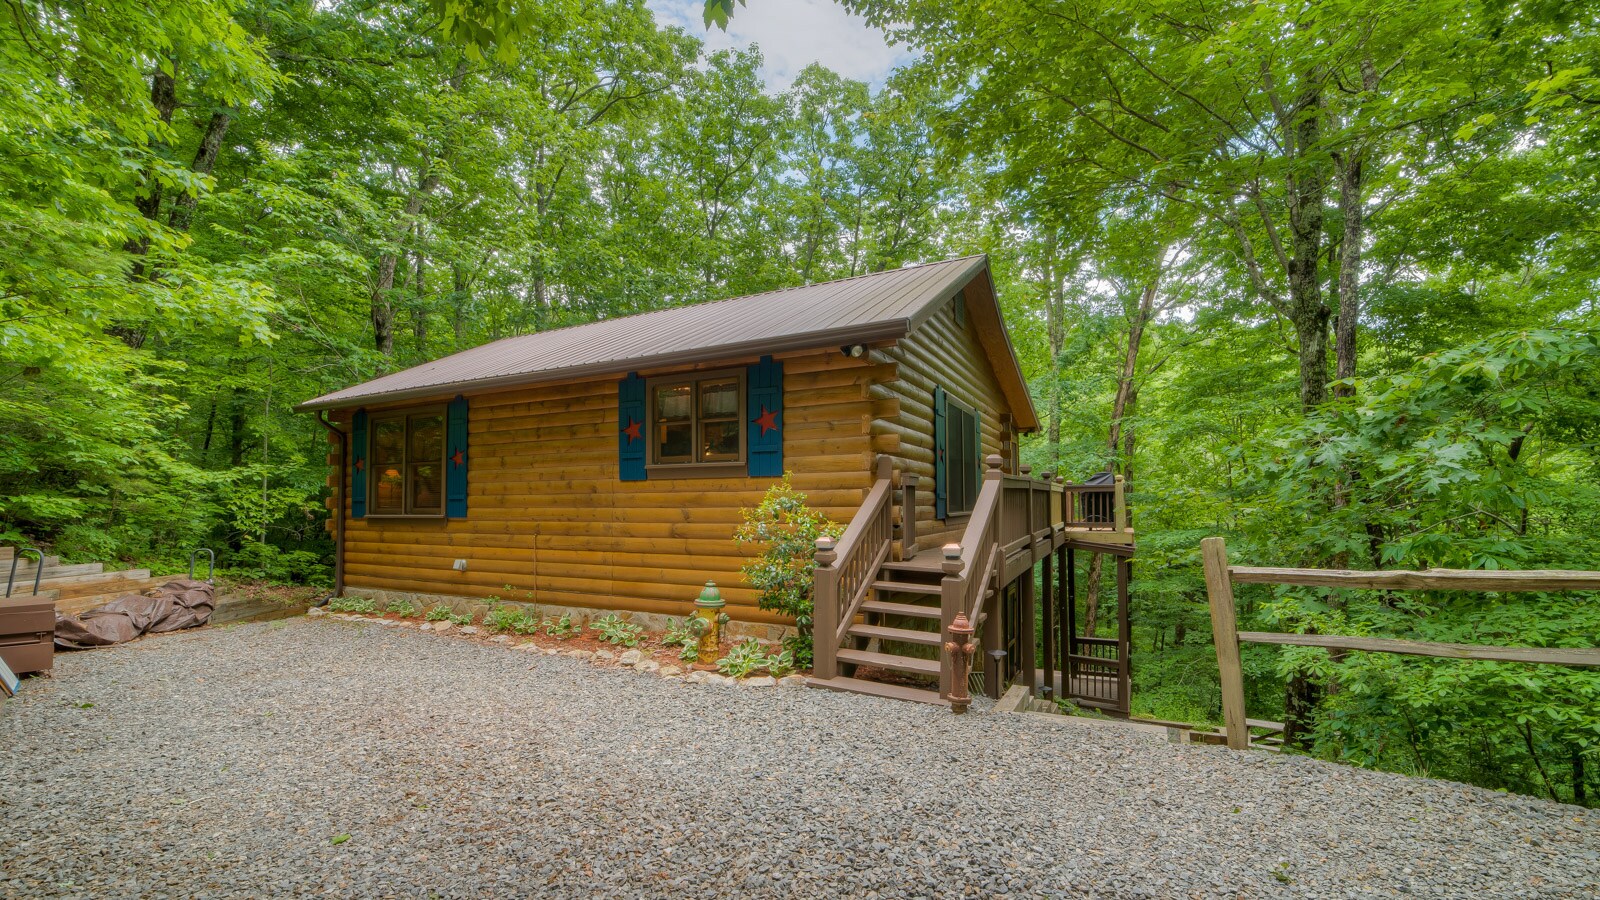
(402, 608)
(352, 605)
(562, 628)
(443, 613)
(615, 631)
(509, 618)
(785, 528)
(746, 657)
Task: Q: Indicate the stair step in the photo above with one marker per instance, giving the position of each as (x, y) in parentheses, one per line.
(905, 587)
(901, 609)
(906, 635)
(889, 661)
(877, 689)
(917, 567)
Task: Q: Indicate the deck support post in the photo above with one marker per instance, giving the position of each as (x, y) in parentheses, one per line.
(1069, 625)
(1025, 628)
(1124, 635)
(994, 642)
(1047, 626)
(1225, 632)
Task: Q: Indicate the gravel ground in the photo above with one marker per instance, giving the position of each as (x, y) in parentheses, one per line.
(348, 759)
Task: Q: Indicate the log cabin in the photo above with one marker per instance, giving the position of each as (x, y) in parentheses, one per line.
(603, 468)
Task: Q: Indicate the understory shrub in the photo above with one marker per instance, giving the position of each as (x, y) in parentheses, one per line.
(785, 529)
(750, 655)
(443, 613)
(502, 619)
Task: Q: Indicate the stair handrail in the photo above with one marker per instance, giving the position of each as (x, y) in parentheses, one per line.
(969, 565)
(38, 570)
(846, 568)
(211, 563)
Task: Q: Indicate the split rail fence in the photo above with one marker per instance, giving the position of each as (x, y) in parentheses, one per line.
(1221, 577)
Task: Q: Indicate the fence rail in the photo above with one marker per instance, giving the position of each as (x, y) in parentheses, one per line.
(1220, 578)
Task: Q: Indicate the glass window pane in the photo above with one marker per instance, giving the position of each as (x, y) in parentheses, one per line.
(719, 399)
(427, 438)
(388, 441)
(674, 403)
(674, 443)
(719, 441)
(388, 494)
(427, 488)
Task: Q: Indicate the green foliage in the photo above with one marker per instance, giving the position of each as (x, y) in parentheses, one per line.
(613, 630)
(562, 628)
(785, 529)
(443, 613)
(353, 605)
(501, 619)
(744, 658)
(678, 634)
(403, 608)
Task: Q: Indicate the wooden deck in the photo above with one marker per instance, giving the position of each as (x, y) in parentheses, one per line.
(1098, 691)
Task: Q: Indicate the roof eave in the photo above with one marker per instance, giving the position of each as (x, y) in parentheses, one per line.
(892, 329)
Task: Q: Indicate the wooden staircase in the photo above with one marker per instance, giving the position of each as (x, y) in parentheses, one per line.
(899, 618)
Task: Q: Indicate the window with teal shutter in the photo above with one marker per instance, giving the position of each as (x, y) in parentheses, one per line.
(358, 464)
(956, 443)
(764, 409)
(632, 440)
(455, 459)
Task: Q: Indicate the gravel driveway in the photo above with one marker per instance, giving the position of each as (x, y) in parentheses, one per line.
(327, 757)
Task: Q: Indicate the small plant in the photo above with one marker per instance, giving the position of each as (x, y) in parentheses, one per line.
(403, 608)
(501, 619)
(746, 656)
(439, 613)
(781, 663)
(615, 631)
(562, 628)
(352, 605)
(678, 633)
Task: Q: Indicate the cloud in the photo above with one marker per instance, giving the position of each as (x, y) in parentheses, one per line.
(793, 34)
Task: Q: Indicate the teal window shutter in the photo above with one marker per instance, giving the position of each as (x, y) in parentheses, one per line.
(455, 459)
(941, 473)
(358, 464)
(763, 392)
(631, 435)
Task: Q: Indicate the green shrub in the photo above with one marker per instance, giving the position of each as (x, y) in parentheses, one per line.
(439, 613)
(746, 657)
(785, 528)
(509, 618)
(562, 628)
(352, 605)
(403, 608)
(615, 631)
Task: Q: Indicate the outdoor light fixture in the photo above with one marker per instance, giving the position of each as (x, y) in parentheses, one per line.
(854, 351)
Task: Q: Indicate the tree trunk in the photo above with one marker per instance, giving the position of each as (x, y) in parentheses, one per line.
(383, 283)
(164, 97)
(205, 159)
(1056, 334)
(1350, 166)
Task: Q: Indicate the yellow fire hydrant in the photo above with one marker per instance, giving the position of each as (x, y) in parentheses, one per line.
(706, 623)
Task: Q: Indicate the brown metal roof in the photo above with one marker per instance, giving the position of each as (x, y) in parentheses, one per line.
(879, 306)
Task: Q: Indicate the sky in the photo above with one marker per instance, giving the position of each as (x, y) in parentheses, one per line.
(793, 34)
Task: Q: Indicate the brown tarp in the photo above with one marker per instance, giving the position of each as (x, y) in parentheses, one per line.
(180, 603)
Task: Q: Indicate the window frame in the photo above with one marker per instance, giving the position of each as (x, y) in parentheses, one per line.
(694, 467)
(968, 476)
(405, 415)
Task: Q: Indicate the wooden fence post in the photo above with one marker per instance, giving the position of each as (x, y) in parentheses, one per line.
(908, 515)
(1225, 632)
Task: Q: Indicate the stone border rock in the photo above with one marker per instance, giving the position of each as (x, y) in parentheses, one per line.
(632, 658)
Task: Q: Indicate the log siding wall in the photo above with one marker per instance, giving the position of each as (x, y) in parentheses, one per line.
(946, 354)
(549, 516)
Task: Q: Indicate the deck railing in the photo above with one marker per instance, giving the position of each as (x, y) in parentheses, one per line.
(1096, 507)
(847, 567)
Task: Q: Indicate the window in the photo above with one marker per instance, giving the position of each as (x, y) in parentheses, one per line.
(698, 420)
(961, 457)
(407, 464)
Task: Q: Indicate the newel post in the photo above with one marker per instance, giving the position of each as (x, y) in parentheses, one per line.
(952, 595)
(825, 610)
(908, 515)
(1225, 632)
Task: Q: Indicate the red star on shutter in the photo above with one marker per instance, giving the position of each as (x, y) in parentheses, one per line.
(768, 420)
(459, 458)
(361, 465)
(633, 430)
